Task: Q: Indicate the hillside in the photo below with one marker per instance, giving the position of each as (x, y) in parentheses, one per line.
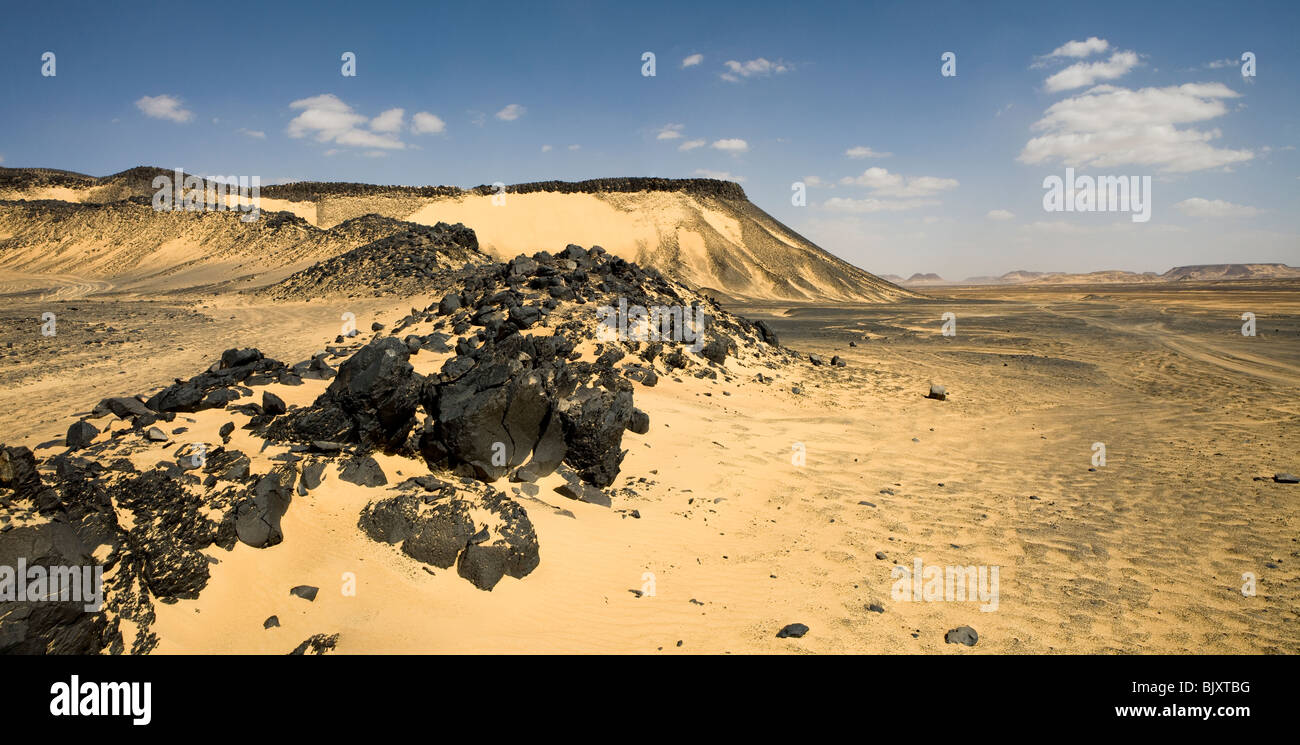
(702, 232)
(128, 244)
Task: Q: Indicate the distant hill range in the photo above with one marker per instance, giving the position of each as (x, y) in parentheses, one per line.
(703, 232)
(1192, 273)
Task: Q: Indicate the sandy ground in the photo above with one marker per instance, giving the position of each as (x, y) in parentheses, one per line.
(736, 539)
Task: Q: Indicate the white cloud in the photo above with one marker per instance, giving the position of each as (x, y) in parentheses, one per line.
(721, 175)
(511, 112)
(1198, 207)
(692, 60)
(546, 148)
(424, 123)
(760, 67)
(871, 204)
(256, 134)
(1087, 73)
(1108, 126)
(999, 215)
(691, 145)
(388, 122)
(732, 145)
(670, 131)
(1078, 49)
(575, 147)
(885, 184)
(862, 151)
(328, 119)
(164, 107)
(813, 181)
(1221, 63)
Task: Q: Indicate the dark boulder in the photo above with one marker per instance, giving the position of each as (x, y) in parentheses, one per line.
(80, 434)
(257, 519)
(273, 404)
(594, 420)
(363, 471)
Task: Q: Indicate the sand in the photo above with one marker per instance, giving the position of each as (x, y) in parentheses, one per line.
(1144, 554)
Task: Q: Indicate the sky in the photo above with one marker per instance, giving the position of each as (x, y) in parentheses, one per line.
(904, 169)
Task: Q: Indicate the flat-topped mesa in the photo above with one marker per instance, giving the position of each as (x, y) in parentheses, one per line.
(704, 233)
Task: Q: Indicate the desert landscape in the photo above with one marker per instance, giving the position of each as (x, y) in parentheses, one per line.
(388, 419)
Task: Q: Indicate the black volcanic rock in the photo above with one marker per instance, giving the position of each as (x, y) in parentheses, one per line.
(371, 401)
(363, 471)
(258, 518)
(272, 404)
(80, 434)
(594, 419)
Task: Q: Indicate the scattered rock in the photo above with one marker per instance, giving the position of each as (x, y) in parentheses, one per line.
(318, 644)
(80, 435)
(792, 631)
(961, 635)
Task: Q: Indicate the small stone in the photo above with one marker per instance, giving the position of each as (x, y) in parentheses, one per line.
(792, 631)
(961, 635)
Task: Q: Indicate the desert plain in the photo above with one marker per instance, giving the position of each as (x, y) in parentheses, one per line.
(772, 496)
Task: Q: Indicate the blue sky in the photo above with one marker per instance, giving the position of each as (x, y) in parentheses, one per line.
(906, 170)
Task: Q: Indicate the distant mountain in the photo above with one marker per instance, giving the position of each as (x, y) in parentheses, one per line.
(1202, 272)
(1230, 271)
(924, 280)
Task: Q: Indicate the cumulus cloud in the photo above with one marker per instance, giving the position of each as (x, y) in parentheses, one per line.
(390, 121)
(325, 118)
(546, 148)
(164, 107)
(1088, 73)
(755, 68)
(882, 183)
(511, 112)
(871, 204)
(862, 151)
(732, 145)
(575, 147)
(670, 131)
(1108, 126)
(999, 215)
(256, 134)
(692, 60)
(813, 181)
(691, 145)
(1078, 49)
(1198, 207)
(424, 123)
